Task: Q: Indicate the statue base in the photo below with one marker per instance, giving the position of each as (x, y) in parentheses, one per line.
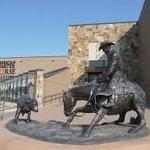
(52, 132)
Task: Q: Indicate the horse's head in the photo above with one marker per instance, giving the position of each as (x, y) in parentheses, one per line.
(69, 103)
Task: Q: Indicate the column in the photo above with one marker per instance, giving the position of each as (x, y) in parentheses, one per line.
(31, 83)
(15, 89)
(3, 91)
(11, 89)
(19, 84)
(24, 83)
(0, 90)
(39, 86)
(6, 90)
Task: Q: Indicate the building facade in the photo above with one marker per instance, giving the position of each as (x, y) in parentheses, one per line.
(84, 41)
(144, 34)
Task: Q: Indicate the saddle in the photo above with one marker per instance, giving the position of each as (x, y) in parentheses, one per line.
(105, 92)
(115, 86)
(119, 89)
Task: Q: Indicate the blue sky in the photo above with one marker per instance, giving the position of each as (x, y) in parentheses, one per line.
(40, 27)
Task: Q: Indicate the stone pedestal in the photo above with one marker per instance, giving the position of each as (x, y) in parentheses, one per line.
(52, 132)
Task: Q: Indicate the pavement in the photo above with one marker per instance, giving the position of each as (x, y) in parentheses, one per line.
(12, 141)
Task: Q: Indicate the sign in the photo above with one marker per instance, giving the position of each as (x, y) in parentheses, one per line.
(7, 69)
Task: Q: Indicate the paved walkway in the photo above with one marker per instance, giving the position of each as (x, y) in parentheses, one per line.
(12, 141)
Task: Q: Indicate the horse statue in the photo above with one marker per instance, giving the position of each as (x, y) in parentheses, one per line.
(124, 95)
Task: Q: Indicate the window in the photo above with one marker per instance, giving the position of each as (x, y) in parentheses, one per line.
(96, 58)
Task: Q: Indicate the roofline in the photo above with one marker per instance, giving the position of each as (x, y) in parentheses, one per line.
(101, 23)
(141, 13)
(32, 56)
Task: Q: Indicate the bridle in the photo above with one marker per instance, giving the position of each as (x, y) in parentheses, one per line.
(89, 100)
(94, 109)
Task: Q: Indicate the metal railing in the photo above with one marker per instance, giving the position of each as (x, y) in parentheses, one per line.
(2, 108)
(6, 109)
(56, 71)
(50, 99)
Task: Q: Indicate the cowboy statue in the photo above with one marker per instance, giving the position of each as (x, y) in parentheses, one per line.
(114, 75)
(117, 95)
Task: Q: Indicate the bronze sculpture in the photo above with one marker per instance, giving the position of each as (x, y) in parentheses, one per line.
(112, 94)
(25, 104)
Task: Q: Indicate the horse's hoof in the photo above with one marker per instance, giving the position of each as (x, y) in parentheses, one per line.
(107, 123)
(86, 135)
(15, 121)
(64, 126)
(27, 121)
(134, 121)
(132, 131)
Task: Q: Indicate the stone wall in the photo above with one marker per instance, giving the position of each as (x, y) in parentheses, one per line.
(124, 34)
(144, 37)
(128, 47)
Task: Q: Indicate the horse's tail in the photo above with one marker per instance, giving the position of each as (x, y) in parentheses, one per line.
(140, 96)
(143, 94)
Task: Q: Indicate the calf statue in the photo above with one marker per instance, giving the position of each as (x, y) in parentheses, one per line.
(25, 104)
(117, 95)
